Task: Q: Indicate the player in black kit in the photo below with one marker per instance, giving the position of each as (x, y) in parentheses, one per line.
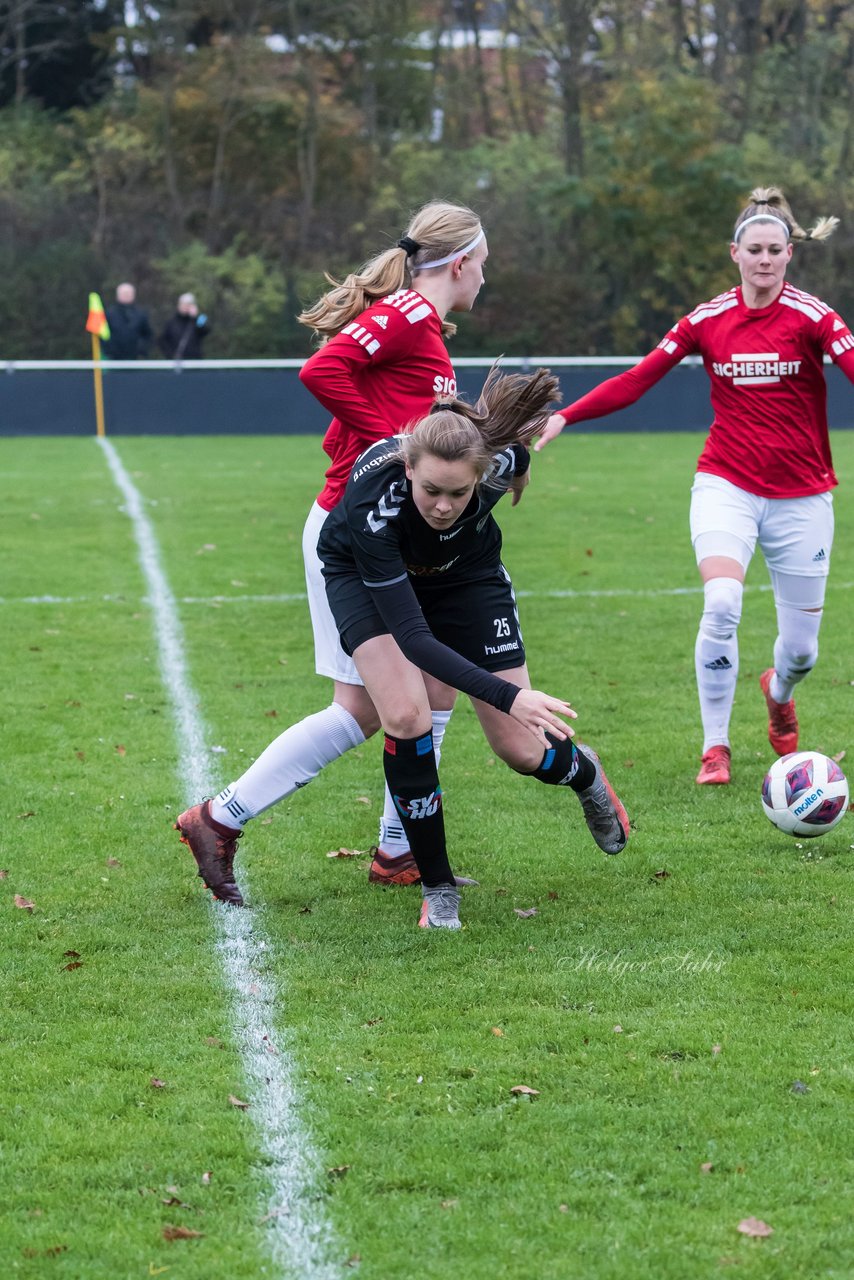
(412, 562)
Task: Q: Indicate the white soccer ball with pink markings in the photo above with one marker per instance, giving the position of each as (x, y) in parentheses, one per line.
(805, 794)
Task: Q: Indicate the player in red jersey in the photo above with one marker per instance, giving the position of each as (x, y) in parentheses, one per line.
(765, 473)
(382, 364)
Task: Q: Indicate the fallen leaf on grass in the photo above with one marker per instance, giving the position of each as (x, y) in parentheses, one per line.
(661, 874)
(180, 1233)
(271, 715)
(353, 1260)
(274, 1213)
(523, 1089)
(362, 800)
(73, 964)
(156, 1271)
(496, 1031)
(3, 875)
(29, 813)
(206, 546)
(173, 1201)
(339, 1171)
(113, 862)
(716, 1049)
(305, 911)
(754, 1227)
(81, 755)
(157, 1084)
(120, 749)
(206, 1178)
(449, 1204)
(564, 1208)
(840, 755)
(707, 1167)
(24, 904)
(346, 853)
(213, 1042)
(798, 1086)
(235, 1102)
(71, 955)
(525, 914)
(553, 897)
(618, 1029)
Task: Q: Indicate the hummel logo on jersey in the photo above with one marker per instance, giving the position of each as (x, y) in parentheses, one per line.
(388, 507)
(382, 321)
(755, 368)
(446, 537)
(719, 664)
(820, 555)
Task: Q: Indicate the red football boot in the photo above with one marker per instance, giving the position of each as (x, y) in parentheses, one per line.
(715, 766)
(782, 721)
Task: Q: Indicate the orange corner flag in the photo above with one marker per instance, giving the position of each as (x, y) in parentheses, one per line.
(97, 320)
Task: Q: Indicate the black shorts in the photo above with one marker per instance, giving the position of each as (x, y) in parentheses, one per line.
(478, 620)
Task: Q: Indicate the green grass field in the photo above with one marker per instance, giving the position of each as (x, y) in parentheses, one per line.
(683, 1011)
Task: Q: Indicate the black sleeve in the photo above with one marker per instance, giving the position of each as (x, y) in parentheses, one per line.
(521, 458)
(400, 611)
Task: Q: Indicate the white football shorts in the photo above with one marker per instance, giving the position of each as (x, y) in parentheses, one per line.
(795, 535)
(329, 658)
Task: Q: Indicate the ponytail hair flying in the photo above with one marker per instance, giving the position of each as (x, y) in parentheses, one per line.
(437, 230)
(512, 407)
(771, 202)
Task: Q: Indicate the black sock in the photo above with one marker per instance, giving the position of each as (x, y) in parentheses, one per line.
(413, 780)
(564, 766)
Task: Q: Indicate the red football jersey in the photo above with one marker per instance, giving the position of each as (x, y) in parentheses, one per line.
(380, 374)
(769, 435)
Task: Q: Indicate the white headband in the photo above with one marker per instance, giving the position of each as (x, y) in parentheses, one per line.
(452, 257)
(761, 217)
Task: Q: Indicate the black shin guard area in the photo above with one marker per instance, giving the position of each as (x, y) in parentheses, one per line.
(413, 780)
(564, 766)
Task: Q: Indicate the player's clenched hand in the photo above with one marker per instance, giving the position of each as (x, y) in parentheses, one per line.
(553, 428)
(539, 712)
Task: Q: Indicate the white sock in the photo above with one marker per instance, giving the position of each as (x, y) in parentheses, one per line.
(716, 658)
(795, 649)
(392, 838)
(293, 760)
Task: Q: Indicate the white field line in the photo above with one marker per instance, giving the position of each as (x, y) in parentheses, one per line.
(296, 597)
(299, 1237)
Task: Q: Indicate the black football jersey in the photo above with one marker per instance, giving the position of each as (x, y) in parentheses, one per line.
(377, 528)
(377, 534)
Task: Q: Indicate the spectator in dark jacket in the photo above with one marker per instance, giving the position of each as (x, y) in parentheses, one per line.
(130, 331)
(182, 337)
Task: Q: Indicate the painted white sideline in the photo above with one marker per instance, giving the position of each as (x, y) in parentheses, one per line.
(301, 1241)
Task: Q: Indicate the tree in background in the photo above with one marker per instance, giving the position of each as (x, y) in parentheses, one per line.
(254, 144)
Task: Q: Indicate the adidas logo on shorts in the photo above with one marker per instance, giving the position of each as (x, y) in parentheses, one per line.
(820, 555)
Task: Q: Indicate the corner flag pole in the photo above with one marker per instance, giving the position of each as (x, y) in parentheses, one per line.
(99, 386)
(96, 325)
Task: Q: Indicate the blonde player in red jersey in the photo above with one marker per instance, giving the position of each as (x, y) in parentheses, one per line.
(382, 363)
(765, 473)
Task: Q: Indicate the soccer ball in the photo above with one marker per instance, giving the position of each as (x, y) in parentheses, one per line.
(805, 793)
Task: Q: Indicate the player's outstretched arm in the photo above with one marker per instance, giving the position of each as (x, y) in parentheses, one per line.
(539, 711)
(614, 393)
